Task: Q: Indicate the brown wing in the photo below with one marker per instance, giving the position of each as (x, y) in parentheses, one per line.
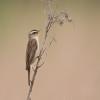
(30, 52)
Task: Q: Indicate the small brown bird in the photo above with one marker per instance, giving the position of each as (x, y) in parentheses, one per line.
(31, 51)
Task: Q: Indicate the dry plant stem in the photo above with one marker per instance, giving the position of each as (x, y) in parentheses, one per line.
(34, 76)
(42, 51)
(48, 27)
(51, 21)
(32, 82)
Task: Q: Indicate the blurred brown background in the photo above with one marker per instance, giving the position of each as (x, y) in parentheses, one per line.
(72, 68)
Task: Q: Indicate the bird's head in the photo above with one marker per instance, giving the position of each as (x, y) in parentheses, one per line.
(33, 33)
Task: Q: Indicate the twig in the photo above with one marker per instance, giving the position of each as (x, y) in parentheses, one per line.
(52, 19)
(34, 76)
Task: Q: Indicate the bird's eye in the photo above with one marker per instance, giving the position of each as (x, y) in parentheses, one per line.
(34, 32)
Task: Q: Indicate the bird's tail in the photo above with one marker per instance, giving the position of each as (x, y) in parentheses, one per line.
(29, 77)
